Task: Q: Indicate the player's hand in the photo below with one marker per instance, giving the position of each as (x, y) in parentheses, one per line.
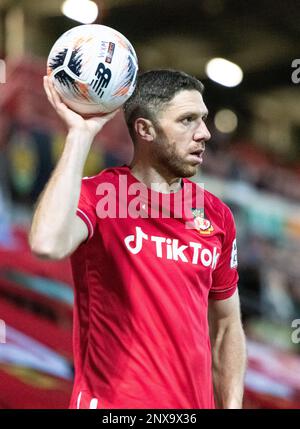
(74, 121)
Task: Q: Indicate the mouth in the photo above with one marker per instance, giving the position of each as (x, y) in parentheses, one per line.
(196, 157)
(198, 152)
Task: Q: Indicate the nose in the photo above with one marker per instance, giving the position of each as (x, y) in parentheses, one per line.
(202, 133)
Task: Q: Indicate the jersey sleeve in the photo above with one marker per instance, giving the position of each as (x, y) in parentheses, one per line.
(225, 276)
(86, 208)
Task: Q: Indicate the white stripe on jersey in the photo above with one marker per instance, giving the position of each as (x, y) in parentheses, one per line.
(78, 400)
(94, 403)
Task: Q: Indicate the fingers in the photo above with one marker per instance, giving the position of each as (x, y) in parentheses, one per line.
(52, 94)
(47, 89)
(56, 98)
(91, 122)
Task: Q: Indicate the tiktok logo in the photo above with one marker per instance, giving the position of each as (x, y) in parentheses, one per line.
(167, 248)
(138, 241)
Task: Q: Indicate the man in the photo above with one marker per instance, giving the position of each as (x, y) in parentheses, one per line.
(154, 293)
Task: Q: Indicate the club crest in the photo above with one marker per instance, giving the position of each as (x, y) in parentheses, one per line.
(202, 225)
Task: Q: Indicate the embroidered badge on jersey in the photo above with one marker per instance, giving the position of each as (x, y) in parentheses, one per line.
(202, 225)
(234, 259)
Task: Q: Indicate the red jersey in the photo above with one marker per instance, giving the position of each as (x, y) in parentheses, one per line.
(142, 283)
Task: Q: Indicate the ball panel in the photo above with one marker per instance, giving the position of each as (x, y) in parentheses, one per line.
(71, 89)
(57, 60)
(75, 62)
(84, 108)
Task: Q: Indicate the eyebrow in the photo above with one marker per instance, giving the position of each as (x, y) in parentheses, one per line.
(193, 113)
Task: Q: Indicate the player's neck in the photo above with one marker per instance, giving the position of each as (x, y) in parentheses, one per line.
(154, 178)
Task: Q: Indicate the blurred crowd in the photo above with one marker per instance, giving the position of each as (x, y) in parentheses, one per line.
(269, 252)
(244, 160)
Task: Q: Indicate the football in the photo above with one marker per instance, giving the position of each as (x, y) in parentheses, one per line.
(93, 68)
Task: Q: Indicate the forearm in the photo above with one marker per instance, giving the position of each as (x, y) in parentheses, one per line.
(56, 208)
(229, 364)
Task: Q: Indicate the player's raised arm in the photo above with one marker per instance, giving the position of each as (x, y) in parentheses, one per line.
(56, 231)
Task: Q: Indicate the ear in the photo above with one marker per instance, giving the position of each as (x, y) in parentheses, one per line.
(144, 129)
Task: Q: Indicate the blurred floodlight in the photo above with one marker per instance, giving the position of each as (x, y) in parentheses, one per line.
(224, 72)
(226, 121)
(84, 11)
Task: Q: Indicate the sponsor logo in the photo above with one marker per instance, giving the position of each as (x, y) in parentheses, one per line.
(168, 248)
(202, 225)
(103, 49)
(234, 260)
(103, 77)
(110, 52)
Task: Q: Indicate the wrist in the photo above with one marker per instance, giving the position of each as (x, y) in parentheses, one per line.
(77, 146)
(234, 402)
(80, 136)
(233, 405)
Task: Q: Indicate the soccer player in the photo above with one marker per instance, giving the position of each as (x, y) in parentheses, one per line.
(156, 316)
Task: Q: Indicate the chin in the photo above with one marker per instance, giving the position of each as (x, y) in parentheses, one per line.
(184, 173)
(189, 171)
(178, 168)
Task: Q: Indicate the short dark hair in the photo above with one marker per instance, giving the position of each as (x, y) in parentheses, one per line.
(153, 90)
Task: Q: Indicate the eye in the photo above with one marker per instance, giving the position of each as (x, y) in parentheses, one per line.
(187, 120)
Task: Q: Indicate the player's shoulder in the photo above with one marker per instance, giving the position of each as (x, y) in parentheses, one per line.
(215, 202)
(108, 175)
(219, 213)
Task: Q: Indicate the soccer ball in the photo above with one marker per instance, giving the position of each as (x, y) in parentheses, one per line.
(93, 68)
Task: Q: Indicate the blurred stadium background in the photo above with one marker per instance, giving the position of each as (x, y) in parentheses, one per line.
(252, 162)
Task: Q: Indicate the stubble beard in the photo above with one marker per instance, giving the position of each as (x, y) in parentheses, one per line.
(167, 158)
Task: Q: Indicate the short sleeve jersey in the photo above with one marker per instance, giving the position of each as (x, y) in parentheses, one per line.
(143, 279)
